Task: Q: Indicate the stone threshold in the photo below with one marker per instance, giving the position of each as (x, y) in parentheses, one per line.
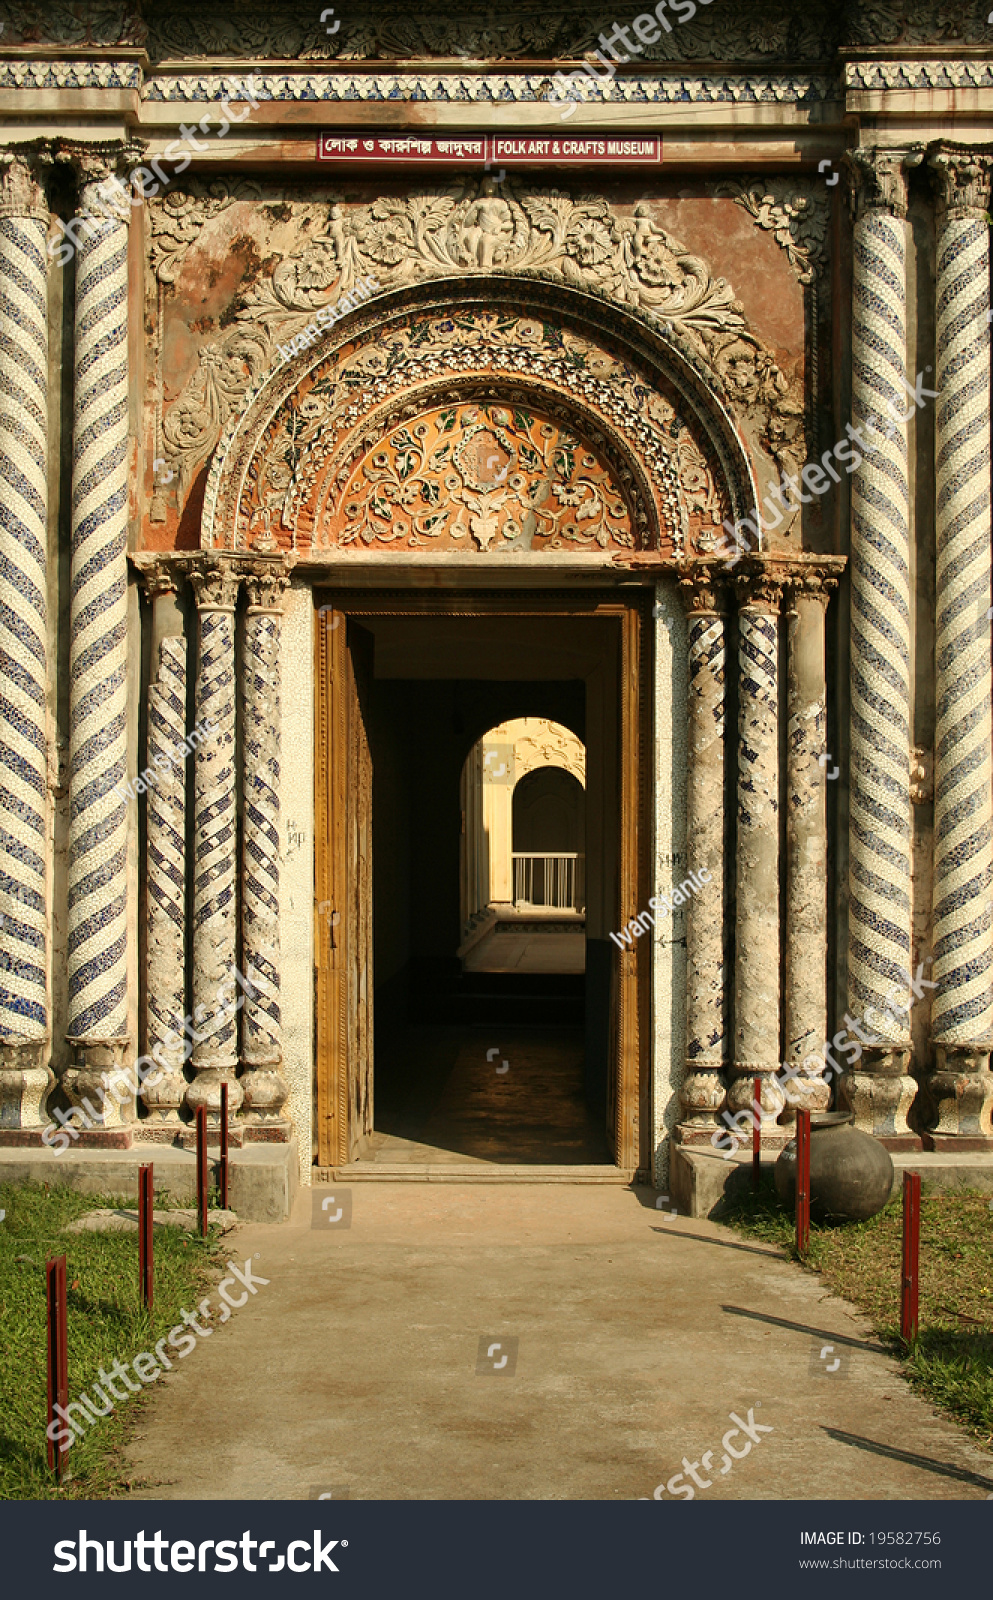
(472, 1172)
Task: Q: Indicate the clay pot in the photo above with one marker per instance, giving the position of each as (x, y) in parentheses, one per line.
(851, 1174)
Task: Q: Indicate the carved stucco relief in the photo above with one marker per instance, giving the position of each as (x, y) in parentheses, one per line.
(370, 29)
(470, 228)
(386, 422)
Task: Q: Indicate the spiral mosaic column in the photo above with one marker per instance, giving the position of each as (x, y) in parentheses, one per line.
(879, 952)
(807, 780)
(702, 1092)
(25, 1078)
(756, 974)
(165, 862)
(264, 1089)
(215, 1050)
(961, 1087)
(98, 816)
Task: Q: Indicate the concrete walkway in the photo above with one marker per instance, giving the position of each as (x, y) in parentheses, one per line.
(354, 1371)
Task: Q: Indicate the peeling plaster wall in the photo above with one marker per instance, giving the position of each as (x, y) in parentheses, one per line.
(296, 909)
(669, 735)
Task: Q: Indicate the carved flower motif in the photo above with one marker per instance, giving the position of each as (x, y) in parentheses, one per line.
(389, 238)
(590, 242)
(530, 332)
(655, 263)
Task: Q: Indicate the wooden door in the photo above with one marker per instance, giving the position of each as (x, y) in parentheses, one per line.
(343, 908)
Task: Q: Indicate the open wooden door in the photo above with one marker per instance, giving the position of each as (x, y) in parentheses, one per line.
(343, 906)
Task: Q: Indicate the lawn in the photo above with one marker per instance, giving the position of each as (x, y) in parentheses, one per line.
(952, 1361)
(106, 1322)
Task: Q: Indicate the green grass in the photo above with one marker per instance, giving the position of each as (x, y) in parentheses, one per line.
(952, 1360)
(106, 1322)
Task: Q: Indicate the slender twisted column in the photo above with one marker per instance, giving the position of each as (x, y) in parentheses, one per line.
(98, 821)
(165, 852)
(805, 976)
(264, 1089)
(215, 1053)
(961, 1087)
(879, 953)
(702, 1092)
(25, 1078)
(756, 974)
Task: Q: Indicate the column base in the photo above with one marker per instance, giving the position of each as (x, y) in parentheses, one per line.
(186, 1137)
(275, 1130)
(26, 1081)
(205, 1090)
(961, 1092)
(881, 1096)
(87, 1086)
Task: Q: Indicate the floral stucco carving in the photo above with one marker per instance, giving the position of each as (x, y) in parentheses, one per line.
(478, 30)
(794, 213)
(491, 429)
(468, 229)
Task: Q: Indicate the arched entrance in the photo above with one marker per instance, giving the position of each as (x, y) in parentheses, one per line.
(463, 480)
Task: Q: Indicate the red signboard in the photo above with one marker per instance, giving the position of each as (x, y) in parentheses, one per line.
(489, 150)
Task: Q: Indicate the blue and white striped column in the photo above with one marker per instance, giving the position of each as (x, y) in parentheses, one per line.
(25, 1078)
(262, 1054)
(98, 821)
(961, 1087)
(215, 857)
(165, 853)
(702, 1093)
(879, 954)
(757, 958)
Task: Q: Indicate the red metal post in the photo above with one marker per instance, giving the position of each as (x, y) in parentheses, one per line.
(802, 1181)
(909, 1282)
(223, 1176)
(58, 1354)
(146, 1207)
(202, 1168)
(757, 1137)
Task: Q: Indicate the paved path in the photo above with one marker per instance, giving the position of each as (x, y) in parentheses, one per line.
(354, 1369)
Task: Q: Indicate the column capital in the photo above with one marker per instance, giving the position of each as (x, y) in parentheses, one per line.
(22, 192)
(266, 581)
(703, 591)
(815, 579)
(760, 588)
(158, 574)
(94, 162)
(961, 179)
(878, 178)
(215, 583)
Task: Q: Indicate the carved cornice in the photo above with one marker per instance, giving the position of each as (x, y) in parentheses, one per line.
(879, 178)
(961, 179)
(884, 77)
(489, 89)
(22, 192)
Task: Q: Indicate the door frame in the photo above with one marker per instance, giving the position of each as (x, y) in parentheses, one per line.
(630, 1065)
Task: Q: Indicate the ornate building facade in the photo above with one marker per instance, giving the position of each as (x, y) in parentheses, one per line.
(328, 345)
